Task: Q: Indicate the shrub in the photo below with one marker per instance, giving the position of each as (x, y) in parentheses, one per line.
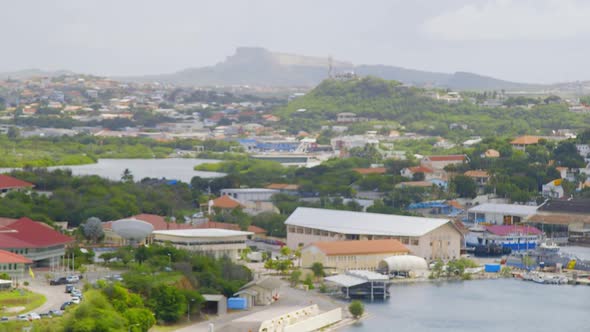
(356, 308)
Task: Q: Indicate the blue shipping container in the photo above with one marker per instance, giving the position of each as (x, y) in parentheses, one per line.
(237, 303)
(492, 268)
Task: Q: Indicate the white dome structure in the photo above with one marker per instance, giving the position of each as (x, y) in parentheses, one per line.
(132, 230)
(403, 263)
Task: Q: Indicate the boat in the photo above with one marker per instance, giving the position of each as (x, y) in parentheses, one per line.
(547, 254)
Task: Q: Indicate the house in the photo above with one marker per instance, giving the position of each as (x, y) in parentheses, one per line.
(500, 214)
(564, 220)
(480, 177)
(584, 151)
(346, 117)
(35, 240)
(340, 256)
(491, 153)
(430, 238)
(263, 291)
(225, 202)
(553, 189)
(440, 162)
(9, 183)
(520, 143)
(212, 241)
(13, 264)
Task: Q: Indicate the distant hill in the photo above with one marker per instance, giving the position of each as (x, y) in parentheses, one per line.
(417, 110)
(258, 66)
(28, 73)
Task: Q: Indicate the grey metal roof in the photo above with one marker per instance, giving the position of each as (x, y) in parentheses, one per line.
(509, 209)
(350, 222)
(345, 280)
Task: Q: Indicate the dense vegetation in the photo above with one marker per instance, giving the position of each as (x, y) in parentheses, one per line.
(75, 199)
(82, 149)
(378, 99)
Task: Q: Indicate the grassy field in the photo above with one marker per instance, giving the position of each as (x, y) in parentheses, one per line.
(20, 298)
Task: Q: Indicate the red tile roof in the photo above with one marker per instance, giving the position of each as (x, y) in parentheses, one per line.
(361, 247)
(420, 169)
(504, 230)
(372, 170)
(226, 202)
(283, 186)
(451, 157)
(7, 257)
(477, 174)
(26, 233)
(8, 182)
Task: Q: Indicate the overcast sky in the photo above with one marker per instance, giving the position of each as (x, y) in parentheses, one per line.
(520, 40)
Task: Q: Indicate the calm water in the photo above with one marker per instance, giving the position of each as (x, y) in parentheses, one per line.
(483, 305)
(173, 168)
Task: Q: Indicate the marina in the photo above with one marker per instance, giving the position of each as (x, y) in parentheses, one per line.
(481, 305)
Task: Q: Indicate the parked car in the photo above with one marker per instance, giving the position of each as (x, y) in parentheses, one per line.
(69, 288)
(34, 316)
(3, 319)
(72, 279)
(22, 318)
(66, 304)
(75, 300)
(56, 312)
(58, 281)
(45, 315)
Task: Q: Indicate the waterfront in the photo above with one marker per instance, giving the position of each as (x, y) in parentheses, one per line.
(483, 305)
(173, 168)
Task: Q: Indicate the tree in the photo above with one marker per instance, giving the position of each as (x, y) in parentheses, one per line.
(295, 277)
(107, 256)
(318, 270)
(92, 229)
(285, 251)
(127, 176)
(4, 276)
(464, 186)
(356, 309)
(168, 303)
(13, 132)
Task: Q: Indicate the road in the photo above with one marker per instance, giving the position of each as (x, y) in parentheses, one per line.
(55, 295)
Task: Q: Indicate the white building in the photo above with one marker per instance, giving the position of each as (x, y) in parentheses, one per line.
(250, 194)
(584, 151)
(553, 189)
(429, 238)
(218, 242)
(500, 214)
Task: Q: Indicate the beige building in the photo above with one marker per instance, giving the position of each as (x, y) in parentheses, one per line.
(340, 256)
(217, 242)
(429, 238)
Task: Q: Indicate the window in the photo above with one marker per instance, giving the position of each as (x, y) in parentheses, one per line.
(415, 242)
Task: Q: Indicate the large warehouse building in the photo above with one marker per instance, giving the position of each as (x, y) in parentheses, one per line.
(430, 238)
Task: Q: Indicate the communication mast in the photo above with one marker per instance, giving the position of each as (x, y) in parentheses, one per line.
(330, 67)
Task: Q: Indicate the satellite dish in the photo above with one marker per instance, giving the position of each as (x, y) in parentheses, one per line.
(132, 230)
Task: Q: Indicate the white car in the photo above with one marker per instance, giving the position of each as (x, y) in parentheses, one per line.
(75, 300)
(72, 279)
(22, 317)
(34, 316)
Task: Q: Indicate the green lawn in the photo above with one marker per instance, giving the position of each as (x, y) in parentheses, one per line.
(20, 298)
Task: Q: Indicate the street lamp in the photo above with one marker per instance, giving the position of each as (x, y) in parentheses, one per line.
(188, 310)
(132, 325)
(169, 259)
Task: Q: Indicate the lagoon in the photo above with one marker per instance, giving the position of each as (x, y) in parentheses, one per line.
(481, 305)
(181, 169)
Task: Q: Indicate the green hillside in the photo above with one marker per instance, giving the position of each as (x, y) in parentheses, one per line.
(383, 100)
